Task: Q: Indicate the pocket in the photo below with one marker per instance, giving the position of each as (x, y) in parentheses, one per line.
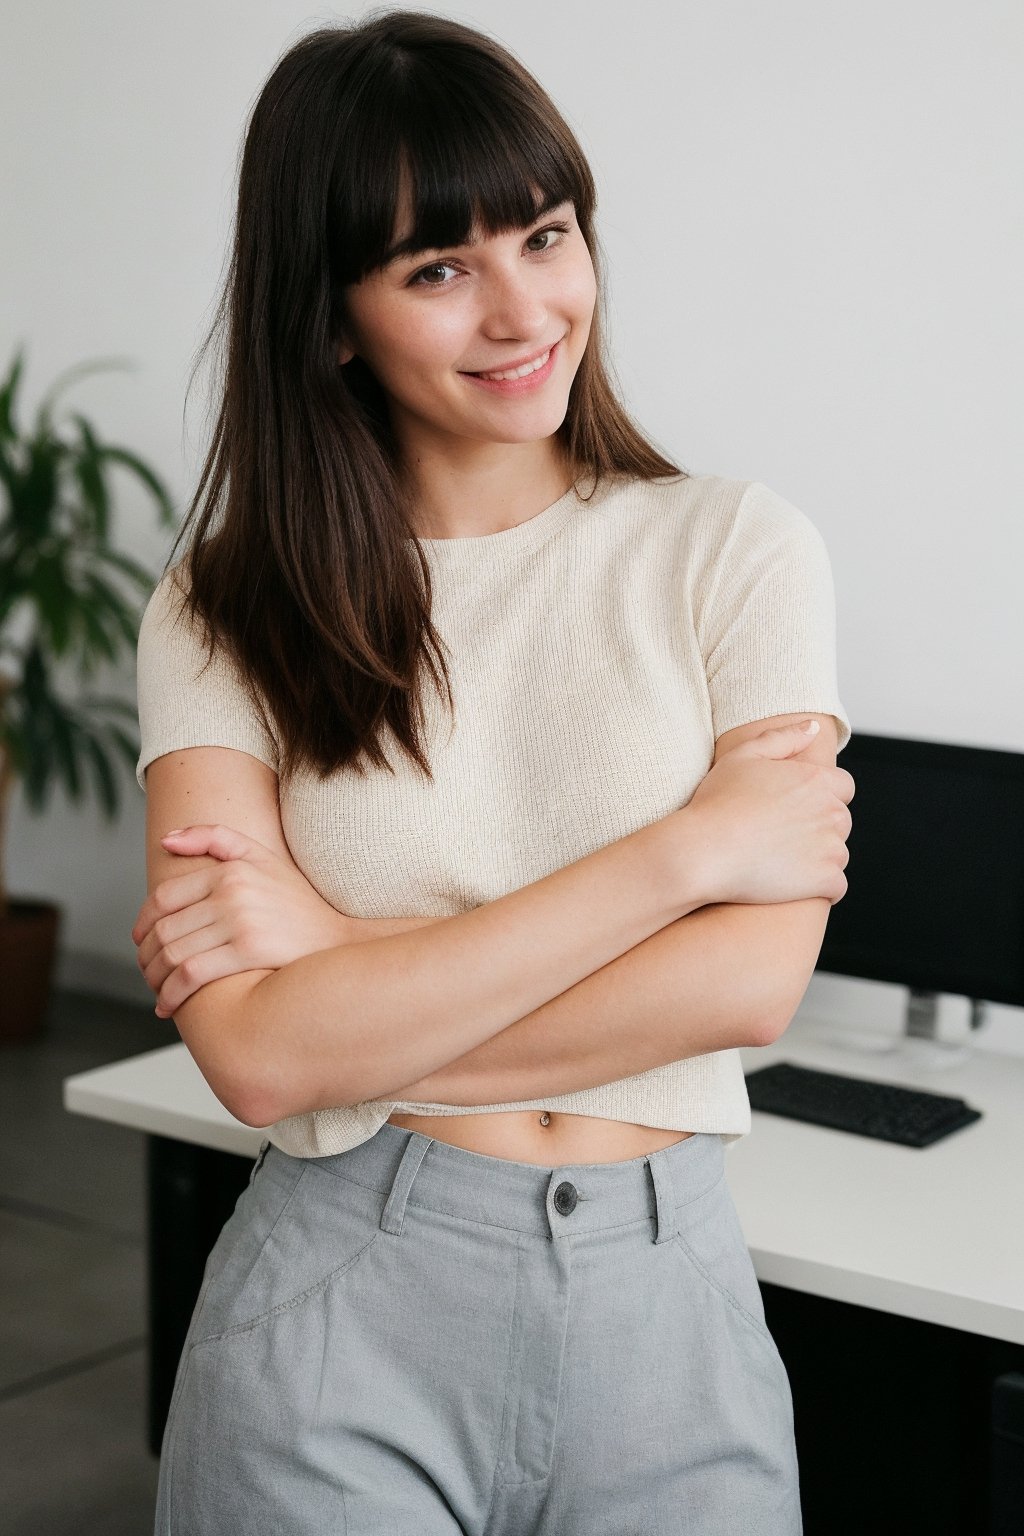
(711, 1243)
(311, 1229)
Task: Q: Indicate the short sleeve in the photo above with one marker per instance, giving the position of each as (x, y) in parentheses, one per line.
(182, 705)
(768, 620)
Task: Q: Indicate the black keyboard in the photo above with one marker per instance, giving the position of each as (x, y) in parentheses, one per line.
(860, 1105)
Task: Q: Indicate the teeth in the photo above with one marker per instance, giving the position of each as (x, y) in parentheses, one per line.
(520, 373)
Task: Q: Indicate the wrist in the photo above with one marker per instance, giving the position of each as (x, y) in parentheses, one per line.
(690, 859)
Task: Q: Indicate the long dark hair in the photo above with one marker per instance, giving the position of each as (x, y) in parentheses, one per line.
(302, 561)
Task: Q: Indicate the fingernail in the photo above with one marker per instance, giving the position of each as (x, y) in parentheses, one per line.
(810, 727)
(174, 832)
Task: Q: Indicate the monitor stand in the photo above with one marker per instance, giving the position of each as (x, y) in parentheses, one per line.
(918, 1049)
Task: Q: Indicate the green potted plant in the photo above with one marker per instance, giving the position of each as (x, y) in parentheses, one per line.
(59, 603)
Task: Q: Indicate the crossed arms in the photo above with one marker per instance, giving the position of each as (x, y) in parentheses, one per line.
(720, 976)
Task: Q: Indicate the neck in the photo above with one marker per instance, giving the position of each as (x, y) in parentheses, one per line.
(485, 489)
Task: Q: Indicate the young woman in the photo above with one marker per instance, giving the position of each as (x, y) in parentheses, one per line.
(499, 834)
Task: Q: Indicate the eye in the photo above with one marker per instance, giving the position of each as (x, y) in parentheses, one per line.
(541, 241)
(423, 275)
(552, 229)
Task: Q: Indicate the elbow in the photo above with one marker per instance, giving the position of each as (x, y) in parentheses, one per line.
(770, 1027)
(267, 1091)
(764, 1029)
(259, 1069)
(250, 1104)
(249, 1099)
(774, 1021)
(224, 1037)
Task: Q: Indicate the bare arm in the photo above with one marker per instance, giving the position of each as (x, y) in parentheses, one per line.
(727, 975)
(347, 1023)
(276, 1043)
(718, 978)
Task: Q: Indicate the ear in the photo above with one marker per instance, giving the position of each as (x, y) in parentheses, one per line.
(345, 354)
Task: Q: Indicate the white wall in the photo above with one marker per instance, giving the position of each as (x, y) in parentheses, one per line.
(811, 213)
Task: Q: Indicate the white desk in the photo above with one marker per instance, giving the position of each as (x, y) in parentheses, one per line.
(935, 1234)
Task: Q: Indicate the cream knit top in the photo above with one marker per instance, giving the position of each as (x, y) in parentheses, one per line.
(597, 651)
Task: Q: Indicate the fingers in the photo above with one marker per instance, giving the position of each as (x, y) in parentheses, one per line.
(192, 974)
(844, 784)
(169, 934)
(220, 841)
(165, 960)
(780, 740)
(170, 896)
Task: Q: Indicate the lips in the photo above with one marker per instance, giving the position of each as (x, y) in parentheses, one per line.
(528, 360)
(512, 367)
(532, 379)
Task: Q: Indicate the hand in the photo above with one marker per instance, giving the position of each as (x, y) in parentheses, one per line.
(252, 911)
(774, 828)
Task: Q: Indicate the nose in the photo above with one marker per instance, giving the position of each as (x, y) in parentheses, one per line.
(514, 308)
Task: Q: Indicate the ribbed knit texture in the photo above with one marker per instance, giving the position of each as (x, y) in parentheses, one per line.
(596, 653)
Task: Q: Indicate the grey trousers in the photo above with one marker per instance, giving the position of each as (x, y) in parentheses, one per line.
(409, 1339)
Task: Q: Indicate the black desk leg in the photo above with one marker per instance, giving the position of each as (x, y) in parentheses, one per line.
(191, 1193)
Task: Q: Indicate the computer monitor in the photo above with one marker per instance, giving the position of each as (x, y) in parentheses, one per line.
(935, 897)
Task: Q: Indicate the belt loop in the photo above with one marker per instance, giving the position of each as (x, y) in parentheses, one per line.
(664, 1193)
(394, 1209)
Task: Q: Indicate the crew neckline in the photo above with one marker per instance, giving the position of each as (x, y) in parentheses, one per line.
(524, 536)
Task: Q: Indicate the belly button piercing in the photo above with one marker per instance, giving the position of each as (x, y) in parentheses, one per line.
(545, 1118)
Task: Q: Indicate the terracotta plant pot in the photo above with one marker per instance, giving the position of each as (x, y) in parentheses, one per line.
(28, 952)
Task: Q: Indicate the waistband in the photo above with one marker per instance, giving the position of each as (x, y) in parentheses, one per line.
(408, 1168)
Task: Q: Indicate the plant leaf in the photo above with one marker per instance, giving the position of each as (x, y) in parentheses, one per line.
(65, 734)
(55, 600)
(96, 642)
(113, 705)
(117, 609)
(165, 506)
(88, 472)
(8, 391)
(129, 566)
(56, 561)
(33, 491)
(44, 417)
(106, 784)
(128, 746)
(29, 730)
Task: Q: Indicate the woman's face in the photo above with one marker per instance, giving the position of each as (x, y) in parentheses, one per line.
(428, 325)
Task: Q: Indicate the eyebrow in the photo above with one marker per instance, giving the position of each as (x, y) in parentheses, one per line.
(410, 247)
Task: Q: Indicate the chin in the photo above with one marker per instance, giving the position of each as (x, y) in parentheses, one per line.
(527, 430)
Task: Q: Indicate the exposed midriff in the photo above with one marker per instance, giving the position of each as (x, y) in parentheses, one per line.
(545, 1137)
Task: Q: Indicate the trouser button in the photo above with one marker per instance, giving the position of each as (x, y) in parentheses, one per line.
(565, 1198)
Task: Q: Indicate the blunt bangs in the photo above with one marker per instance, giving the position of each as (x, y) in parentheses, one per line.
(468, 140)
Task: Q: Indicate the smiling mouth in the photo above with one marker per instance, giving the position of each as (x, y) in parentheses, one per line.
(523, 371)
